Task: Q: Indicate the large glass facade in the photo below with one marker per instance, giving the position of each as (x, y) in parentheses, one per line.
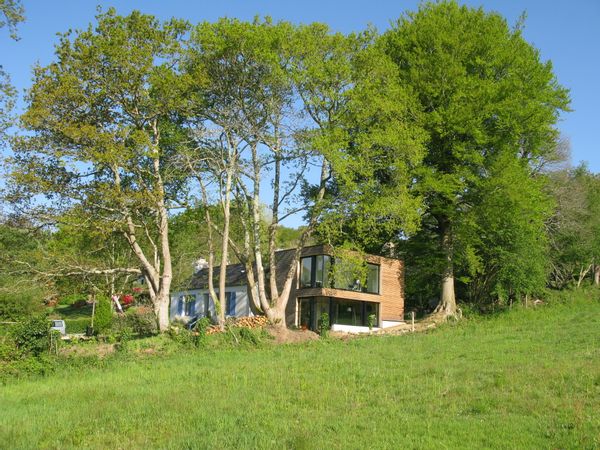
(314, 271)
(340, 311)
(350, 312)
(321, 271)
(372, 284)
(306, 272)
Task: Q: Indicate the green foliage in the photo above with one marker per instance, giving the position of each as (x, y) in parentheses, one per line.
(142, 321)
(11, 13)
(371, 320)
(31, 336)
(490, 107)
(184, 337)
(79, 326)
(324, 325)
(575, 225)
(104, 314)
(124, 337)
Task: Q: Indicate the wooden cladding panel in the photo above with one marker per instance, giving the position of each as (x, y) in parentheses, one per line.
(392, 289)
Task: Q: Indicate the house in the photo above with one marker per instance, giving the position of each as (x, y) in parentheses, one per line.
(355, 292)
(194, 300)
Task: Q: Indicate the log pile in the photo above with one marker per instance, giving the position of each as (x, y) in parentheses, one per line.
(241, 322)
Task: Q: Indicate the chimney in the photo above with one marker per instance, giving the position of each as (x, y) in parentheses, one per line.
(200, 264)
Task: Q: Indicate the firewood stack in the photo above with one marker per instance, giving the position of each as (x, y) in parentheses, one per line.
(241, 322)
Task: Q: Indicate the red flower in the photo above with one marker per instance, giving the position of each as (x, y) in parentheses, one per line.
(127, 299)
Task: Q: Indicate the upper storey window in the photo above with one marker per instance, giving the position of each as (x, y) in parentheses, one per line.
(322, 271)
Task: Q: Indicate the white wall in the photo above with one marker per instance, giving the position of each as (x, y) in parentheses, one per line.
(242, 304)
(360, 329)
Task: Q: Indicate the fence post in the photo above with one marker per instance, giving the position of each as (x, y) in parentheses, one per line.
(412, 320)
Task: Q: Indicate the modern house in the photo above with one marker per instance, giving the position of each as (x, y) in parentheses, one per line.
(355, 291)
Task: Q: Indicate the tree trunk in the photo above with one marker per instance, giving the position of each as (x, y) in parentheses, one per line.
(596, 275)
(447, 303)
(225, 247)
(161, 309)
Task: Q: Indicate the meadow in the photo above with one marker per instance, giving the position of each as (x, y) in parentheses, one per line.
(527, 378)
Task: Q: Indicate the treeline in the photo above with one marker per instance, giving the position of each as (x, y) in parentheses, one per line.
(432, 141)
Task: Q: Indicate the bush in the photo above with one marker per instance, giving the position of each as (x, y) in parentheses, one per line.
(142, 321)
(123, 340)
(71, 299)
(184, 337)
(21, 305)
(8, 349)
(28, 366)
(371, 320)
(31, 336)
(104, 315)
(77, 326)
(324, 325)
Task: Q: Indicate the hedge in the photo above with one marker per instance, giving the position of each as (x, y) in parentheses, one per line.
(75, 326)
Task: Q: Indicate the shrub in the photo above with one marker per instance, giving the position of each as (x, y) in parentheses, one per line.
(324, 325)
(184, 337)
(31, 335)
(202, 325)
(77, 326)
(142, 321)
(123, 340)
(71, 299)
(8, 349)
(17, 306)
(371, 320)
(127, 300)
(104, 315)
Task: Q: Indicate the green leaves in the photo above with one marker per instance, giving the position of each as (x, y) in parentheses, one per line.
(489, 108)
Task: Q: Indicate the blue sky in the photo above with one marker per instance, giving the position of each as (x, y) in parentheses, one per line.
(566, 32)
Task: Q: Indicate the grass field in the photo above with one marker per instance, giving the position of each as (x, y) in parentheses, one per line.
(525, 379)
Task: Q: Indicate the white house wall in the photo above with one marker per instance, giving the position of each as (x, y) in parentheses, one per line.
(242, 304)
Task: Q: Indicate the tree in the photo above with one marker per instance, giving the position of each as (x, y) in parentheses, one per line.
(284, 102)
(574, 228)
(13, 11)
(102, 124)
(486, 97)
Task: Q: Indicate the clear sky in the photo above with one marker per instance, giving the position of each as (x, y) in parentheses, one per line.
(566, 32)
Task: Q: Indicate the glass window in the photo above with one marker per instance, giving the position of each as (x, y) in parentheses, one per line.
(206, 311)
(347, 312)
(305, 313)
(230, 299)
(372, 284)
(350, 312)
(181, 305)
(306, 272)
(323, 266)
(372, 309)
(190, 305)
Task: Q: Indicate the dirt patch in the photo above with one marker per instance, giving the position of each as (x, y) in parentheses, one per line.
(286, 336)
(99, 350)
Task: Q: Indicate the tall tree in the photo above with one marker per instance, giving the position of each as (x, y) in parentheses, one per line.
(13, 13)
(486, 95)
(574, 228)
(291, 103)
(102, 132)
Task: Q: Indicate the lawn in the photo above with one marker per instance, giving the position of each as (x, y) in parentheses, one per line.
(524, 379)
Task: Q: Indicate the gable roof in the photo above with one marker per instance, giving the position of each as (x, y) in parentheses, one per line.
(235, 276)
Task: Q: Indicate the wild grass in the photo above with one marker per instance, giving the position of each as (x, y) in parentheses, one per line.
(522, 379)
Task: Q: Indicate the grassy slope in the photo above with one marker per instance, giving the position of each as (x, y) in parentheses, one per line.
(527, 379)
